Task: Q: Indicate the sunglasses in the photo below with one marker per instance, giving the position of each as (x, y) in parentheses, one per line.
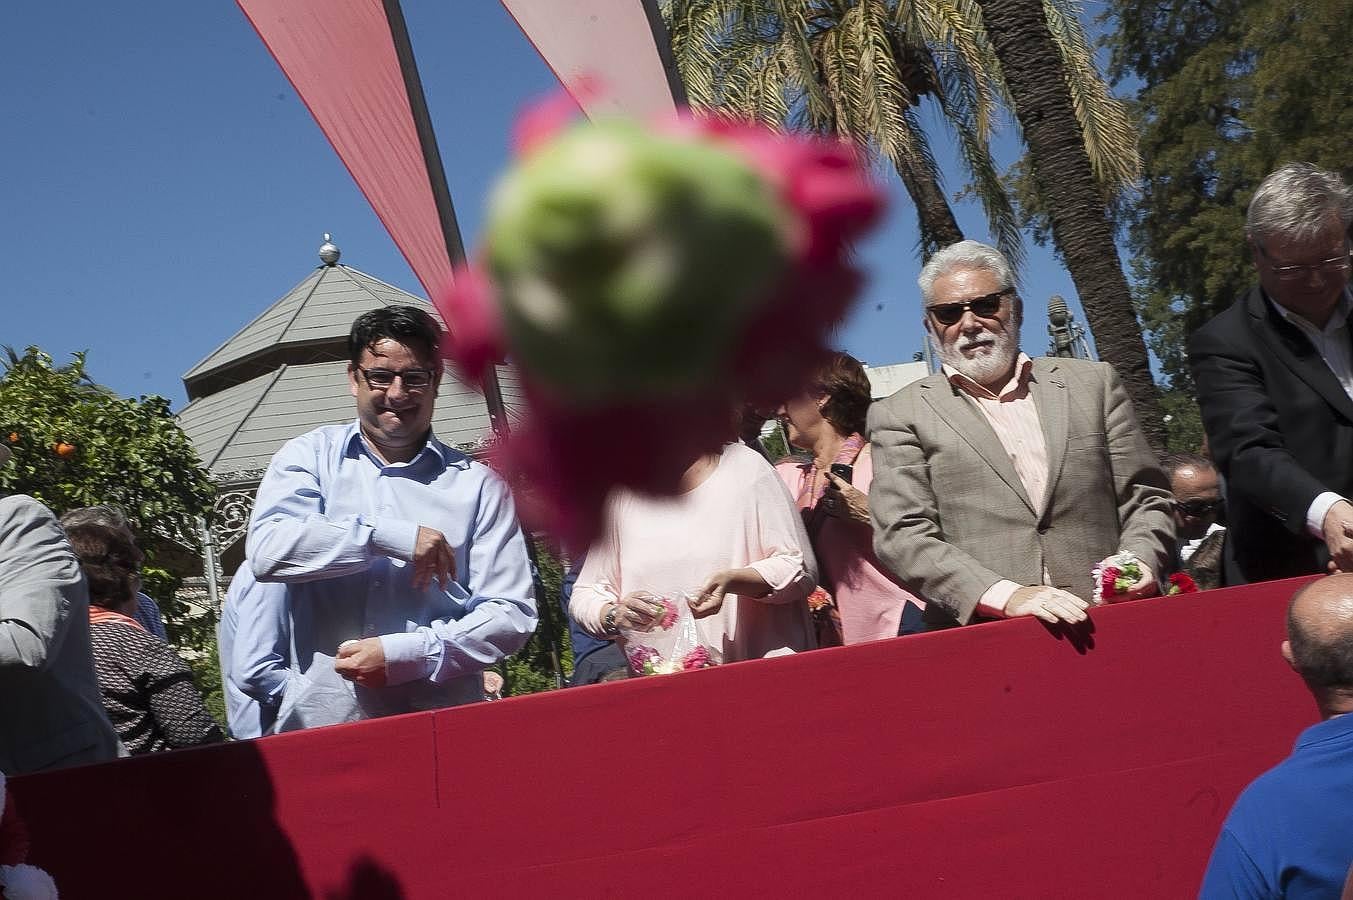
(382, 379)
(983, 307)
(1197, 508)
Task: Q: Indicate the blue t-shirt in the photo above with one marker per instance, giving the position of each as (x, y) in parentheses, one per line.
(1290, 833)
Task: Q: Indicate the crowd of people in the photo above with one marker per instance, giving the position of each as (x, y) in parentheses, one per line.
(386, 572)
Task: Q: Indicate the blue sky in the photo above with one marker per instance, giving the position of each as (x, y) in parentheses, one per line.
(163, 184)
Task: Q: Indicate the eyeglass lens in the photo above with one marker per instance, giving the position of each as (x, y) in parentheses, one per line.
(383, 378)
(982, 307)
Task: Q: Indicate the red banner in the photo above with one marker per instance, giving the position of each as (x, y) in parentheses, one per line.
(341, 60)
(604, 44)
(999, 760)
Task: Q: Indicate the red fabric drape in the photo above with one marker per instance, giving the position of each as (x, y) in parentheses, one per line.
(602, 51)
(991, 761)
(341, 60)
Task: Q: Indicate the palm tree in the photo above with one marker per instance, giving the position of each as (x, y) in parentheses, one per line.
(860, 69)
(1050, 113)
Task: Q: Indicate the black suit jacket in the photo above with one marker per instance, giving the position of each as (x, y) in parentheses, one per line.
(1280, 427)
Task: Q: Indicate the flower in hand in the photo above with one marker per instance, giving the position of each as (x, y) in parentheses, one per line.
(1122, 577)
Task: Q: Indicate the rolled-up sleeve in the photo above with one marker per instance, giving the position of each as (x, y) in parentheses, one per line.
(499, 615)
(788, 563)
(292, 540)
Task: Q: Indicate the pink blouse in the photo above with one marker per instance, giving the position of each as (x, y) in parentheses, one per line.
(868, 597)
(740, 515)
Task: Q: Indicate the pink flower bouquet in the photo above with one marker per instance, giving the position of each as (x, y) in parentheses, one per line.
(1115, 576)
(672, 645)
(643, 275)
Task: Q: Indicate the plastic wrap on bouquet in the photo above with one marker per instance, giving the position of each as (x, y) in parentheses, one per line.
(644, 279)
(673, 643)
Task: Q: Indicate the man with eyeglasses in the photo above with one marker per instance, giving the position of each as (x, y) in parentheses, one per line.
(1001, 481)
(1274, 374)
(405, 567)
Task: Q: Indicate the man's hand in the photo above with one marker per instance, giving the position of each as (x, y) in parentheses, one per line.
(1145, 586)
(1047, 603)
(745, 582)
(433, 558)
(1338, 528)
(843, 500)
(362, 662)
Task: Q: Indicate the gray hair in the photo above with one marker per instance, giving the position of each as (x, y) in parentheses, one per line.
(103, 515)
(1297, 202)
(965, 255)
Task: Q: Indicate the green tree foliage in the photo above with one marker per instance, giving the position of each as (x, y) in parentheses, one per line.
(532, 669)
(1229, 91)
(865, 70)
(76, 443)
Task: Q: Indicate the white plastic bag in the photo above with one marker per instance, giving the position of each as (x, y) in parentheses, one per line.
(673, 645)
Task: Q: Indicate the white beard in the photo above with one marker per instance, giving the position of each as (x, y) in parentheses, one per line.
(988, 362)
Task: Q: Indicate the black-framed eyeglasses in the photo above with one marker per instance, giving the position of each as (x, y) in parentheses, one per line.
(1198, 508)
(383, 379)
(1300, 273)
(984, 307)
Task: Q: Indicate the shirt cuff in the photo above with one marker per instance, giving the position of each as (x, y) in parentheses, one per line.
(996, 598)
(408, 657)
(1315, 516)
(394, 537)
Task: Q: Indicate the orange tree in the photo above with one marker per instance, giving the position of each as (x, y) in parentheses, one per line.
(76, 443)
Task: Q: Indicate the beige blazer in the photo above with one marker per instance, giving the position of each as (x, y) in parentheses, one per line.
(951, 517)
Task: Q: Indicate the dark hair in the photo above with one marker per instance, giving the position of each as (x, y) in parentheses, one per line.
(843, 379)
(1173, 462)
(1324, 664)
(110, 562)
(408, 325)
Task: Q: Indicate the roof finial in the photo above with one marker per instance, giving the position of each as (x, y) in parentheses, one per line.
(328, 252)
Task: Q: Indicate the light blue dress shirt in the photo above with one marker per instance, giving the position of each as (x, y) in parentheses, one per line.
(255, 657)
(149, 616)
(338, 526)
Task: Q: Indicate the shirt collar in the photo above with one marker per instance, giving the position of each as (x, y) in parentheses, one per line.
(1013, 389)
(355, 443)
(1330, 729)
(1337, 321)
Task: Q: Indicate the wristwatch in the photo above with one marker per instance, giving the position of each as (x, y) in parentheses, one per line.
(609, 626)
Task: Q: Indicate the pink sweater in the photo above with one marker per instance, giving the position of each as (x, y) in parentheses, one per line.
(739, 516)
(868, 597)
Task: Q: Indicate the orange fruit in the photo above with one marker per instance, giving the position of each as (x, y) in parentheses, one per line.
(64, 450)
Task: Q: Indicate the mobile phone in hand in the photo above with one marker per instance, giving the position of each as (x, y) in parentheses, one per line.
(843, 472)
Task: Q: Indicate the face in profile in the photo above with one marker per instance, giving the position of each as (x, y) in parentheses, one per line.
(394, 417)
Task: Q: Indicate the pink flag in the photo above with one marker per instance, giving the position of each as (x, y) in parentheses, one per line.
(606, 44)
(341, 60)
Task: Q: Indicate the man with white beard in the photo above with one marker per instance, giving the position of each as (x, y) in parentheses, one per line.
(1002, 482)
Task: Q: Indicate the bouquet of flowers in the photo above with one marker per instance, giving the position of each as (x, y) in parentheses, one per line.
(1115, 576)
(671, 645)
(642, 276)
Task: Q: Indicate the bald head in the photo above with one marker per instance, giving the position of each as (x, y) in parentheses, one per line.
(1320, 634)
